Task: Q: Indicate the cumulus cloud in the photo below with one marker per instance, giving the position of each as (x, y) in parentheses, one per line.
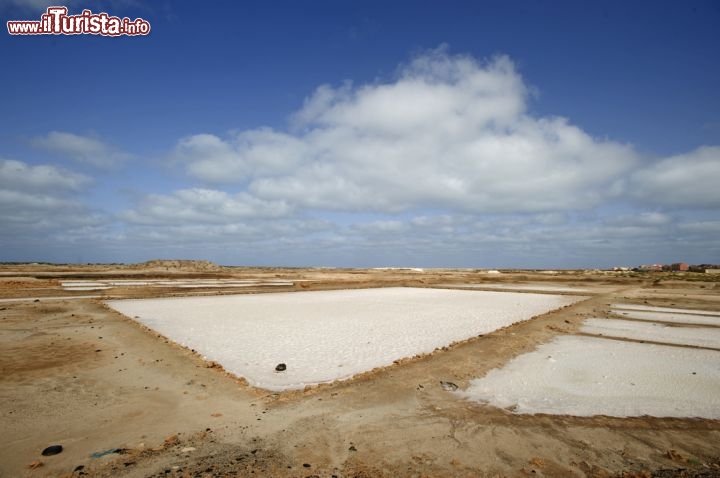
(689, 179)
(449, 131)
(248, 154)
(202, 206)
(641, 219)
(709, 228)
(82, 149)
(40, 199)
(20, 176)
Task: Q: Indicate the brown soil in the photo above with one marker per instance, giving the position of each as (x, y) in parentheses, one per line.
(75, 373)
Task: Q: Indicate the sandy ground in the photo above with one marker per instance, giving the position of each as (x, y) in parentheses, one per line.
(75, 373)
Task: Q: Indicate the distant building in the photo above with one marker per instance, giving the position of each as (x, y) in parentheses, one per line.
(712, 271)
(651, 268)
(679, 266)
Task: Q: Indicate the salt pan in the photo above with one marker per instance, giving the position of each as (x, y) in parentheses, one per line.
(585, 376)
(328, 335)
(654, 332)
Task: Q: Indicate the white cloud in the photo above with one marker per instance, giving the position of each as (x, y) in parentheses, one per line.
(710, 228)
(82, 149)
(202, 206)
(20, 176)
(248, 154)
(449, 132)
(463, 94)
(39, 200)
(641, 219)
(690, 179)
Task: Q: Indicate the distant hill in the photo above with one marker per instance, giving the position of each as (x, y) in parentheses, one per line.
(177, 265)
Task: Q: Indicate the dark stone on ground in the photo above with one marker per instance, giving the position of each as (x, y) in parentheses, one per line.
(449, 386)
(281, 367)
(52, 450)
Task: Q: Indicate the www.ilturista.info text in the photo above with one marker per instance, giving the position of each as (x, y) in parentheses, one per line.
(56, 21)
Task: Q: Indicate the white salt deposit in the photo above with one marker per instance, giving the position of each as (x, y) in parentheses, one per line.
(681, 318)
(130, 283)
(234, 285)
(75, 283)
(97, 287)
(533, 287)
(648, 308)
(329, 335)
(585, 376)
(654, 332)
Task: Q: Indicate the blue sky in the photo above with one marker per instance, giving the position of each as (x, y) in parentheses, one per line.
(338, 133)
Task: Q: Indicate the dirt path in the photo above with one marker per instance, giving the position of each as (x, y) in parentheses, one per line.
(78, 374)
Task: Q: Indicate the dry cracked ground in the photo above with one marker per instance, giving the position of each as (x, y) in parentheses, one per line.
(123, 401)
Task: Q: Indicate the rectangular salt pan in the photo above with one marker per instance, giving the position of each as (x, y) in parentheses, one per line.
(653, 332)
(681, 318)
(324, 336)
(672, 310)
(586, 376)
(534, 287)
